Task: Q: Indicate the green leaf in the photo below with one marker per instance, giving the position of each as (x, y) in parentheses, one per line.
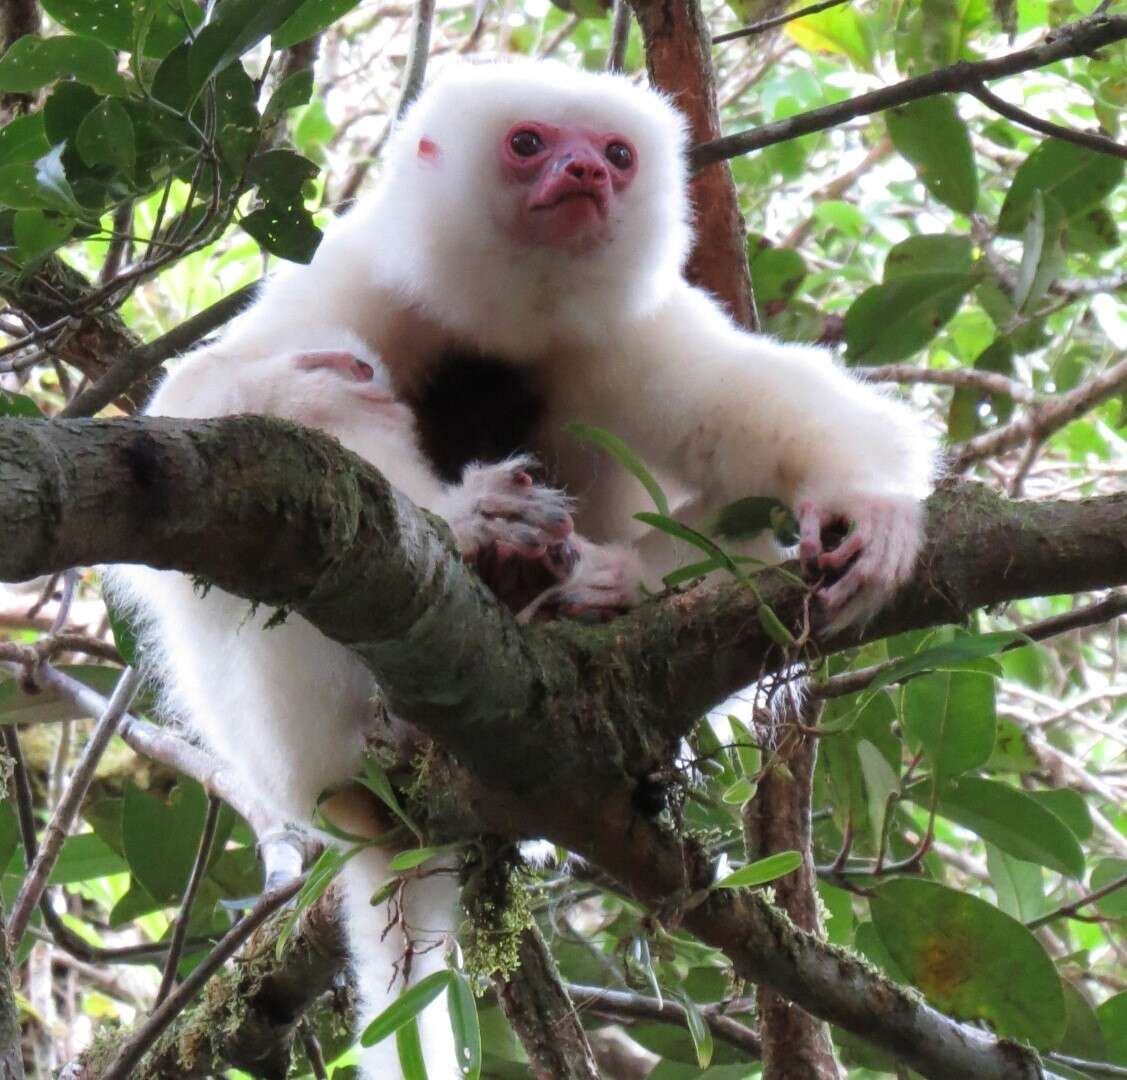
(108, 21)
(1112, 1015)
(32, 62)
(625, 457)
(1073, 176)
(83, 858)
(236, 27)
(321, 875)
(699, 1030)
(748, 517)
(410, 1048)
(159, 26)
(295, 91)
(839, 30)
(762, 871)
(950, 716)
(748, 754)
(890, 322)
(927, 254)
(17, 405)
(105, 137)
(931, 135)
(412, 857)
(881, 783)
(464, 1023)
(161, 839)
(970, 959)
(1070, 806)
(52, 180)
(376, 781)
(37, 233)
(124, 633)
(9, 834)
(1020, 885)
(738, 793)
(1107, 871)
(776, 274)
(23, 140)
(406, 1007)
(310, 18)
(284, 229)
(1009, 818)
(696, 539)
(956, 655)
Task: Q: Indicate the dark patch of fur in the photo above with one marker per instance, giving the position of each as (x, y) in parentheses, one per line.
(476, 408)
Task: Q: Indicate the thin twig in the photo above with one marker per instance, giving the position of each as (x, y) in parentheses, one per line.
(620, 36)
(67, 810)
(776, 20)
(199, 868)
(1043, 420)
(1088, 1068)
(312, 1048)
(989, 382)
(134, 1048)
(1066, 911)
(1076, 39)
(850, 682)
(1089, 139)
(418, 51)
(625, 1005)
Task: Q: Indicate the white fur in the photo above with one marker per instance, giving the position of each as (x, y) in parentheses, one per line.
(621, 340)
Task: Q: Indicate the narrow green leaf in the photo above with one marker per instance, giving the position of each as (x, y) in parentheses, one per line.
(625, 457)
(412, 857)
(464, 1024)
(748, 754)
(691, 536)
(773, 626)
(762, 871)
(949, 656)
(738, 793)
(406, 1007)
(699, 1030)
(322, 874)
(410, 1048)
(376, 781)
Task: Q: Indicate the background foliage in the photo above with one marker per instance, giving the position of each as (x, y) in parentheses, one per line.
(157, 157)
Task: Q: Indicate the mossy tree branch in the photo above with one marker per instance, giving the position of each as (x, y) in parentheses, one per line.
(285, 517)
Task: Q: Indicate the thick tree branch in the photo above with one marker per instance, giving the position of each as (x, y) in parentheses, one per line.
(287, 518)
(1076, 39)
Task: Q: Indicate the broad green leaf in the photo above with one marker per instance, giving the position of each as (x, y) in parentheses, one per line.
(881, 782)
(776, 274)
(1075, 177)
(33, 62)
(843, 216)
(950, 716)
(931, 135)
(12, 404)
(310, 18)
(294, 92)
(236, 27)
(105, 137)
(618, 449)
(64, 110)
(1070, 806)
(464, 1023)
(1083, 1037)
(23, 140)
(52, 180)
(108, 21)
(891, 321)
(1112, 1015)
(970, 959)
(1094, 231)
(284, 229)
(321, 875)
(161, 838)
(1107, 872)
(1020, 885)
(83, 858)
(963, 420)
(406, 1007)
(37, 233)
(159, 26)
(927, 254)
(1009, 818)
(839, 30)
(762, 871)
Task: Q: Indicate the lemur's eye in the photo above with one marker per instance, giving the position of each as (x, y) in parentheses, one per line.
(526, 143)
(620, 155)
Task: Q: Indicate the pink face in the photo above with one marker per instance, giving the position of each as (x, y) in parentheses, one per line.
(568, 179)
